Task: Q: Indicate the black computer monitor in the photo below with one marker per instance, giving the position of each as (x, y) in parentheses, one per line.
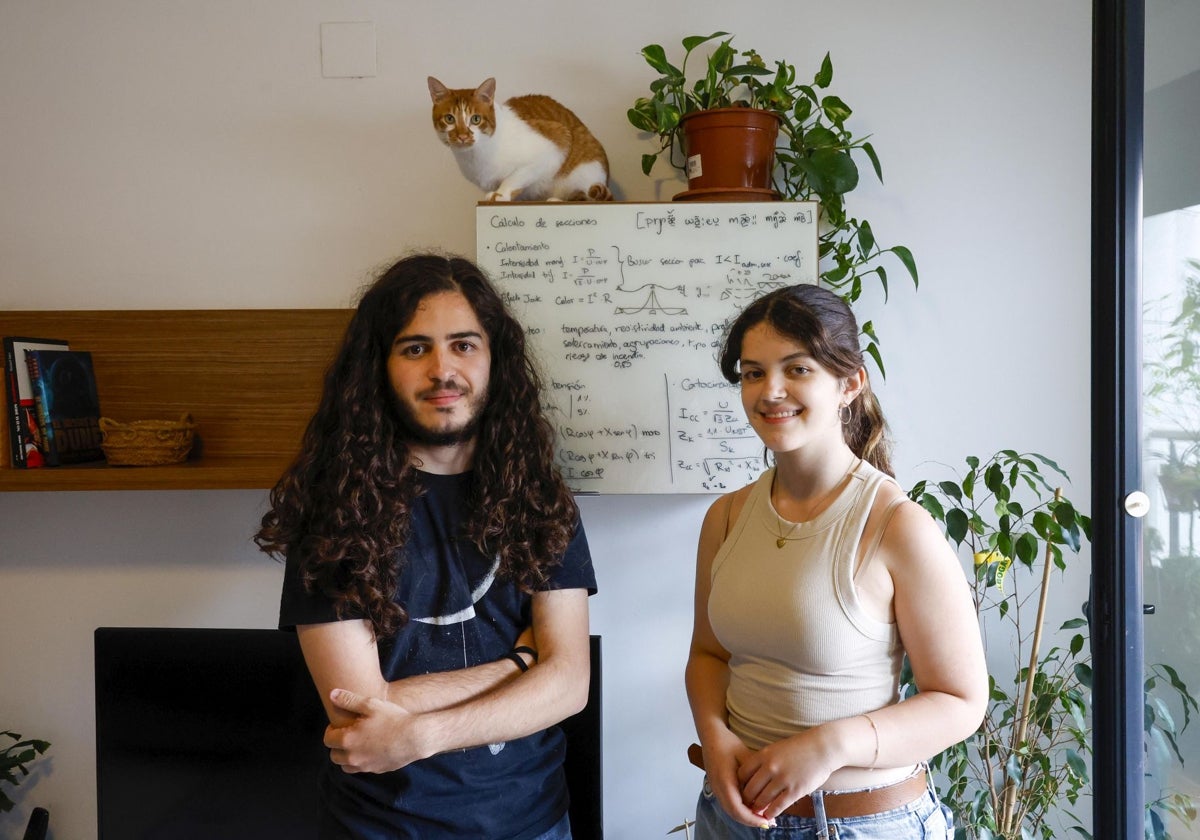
(204, 733)
(216, 733)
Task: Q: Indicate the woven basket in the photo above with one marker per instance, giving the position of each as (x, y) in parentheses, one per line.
(146, 443)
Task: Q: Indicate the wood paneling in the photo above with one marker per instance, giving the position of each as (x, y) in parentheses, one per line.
(250, 378)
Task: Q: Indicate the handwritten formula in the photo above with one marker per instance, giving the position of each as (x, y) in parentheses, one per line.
(625, 306)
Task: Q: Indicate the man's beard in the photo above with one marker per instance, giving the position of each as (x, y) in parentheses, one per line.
(414, 432)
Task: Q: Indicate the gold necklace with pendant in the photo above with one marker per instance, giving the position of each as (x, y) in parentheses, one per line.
(782, 539)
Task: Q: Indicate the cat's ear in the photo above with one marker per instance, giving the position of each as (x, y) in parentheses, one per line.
(486, 91)
(437, 90)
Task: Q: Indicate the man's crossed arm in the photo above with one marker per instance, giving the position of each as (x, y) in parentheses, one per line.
(376, 726)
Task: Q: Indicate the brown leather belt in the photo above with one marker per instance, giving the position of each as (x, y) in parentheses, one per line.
(852, 804)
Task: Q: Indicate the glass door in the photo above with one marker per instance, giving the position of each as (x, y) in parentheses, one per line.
(1170, 421)
(1145, 416)
(1116, 600)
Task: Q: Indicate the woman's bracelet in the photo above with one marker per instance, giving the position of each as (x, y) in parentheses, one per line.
(875, 729)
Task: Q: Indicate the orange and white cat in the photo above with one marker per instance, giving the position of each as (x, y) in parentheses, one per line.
(529, 146)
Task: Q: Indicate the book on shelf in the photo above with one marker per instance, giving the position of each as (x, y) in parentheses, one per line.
(23, 433)
(68, 407)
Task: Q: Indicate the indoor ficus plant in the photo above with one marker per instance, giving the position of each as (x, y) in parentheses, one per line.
(815, 157)
(1027, 767)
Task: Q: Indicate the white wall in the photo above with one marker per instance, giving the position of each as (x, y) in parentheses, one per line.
(190, 154)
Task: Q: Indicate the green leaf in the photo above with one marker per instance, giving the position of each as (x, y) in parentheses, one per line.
(1077, 764)
(1071, 536)
(956, 525)
(993, 479)
(1026, 548)
(667, 115)
(1044, 525)
(748, 70)
(951, 490)
(931, 504)
(820, 137)
(873, 352)
(656, 57)
(905, 256)
(1083, 673)
(692, 41)
(866, 239)
(1004, 543)
(802, 110)
(968, 485)
(648, 163)
(642, 119)
(870, 150)
(1064, 513)
(659, 85)
(836, 110)
(719, 62)
(825, 75)
(883, 281)
(836, 171)
(1012, 769)
(1050, 464)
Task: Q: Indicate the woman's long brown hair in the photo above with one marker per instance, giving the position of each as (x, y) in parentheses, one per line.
(822, 322)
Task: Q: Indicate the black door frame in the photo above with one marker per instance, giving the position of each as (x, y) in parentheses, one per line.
(1118, 765)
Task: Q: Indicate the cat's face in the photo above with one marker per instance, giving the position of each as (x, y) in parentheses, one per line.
(461, 116)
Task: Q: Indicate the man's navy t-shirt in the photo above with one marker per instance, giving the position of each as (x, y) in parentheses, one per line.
(460, 614)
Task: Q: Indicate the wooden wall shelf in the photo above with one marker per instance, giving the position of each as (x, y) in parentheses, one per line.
(250, 378)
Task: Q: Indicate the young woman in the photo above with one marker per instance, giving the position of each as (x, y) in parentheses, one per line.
(812, 584)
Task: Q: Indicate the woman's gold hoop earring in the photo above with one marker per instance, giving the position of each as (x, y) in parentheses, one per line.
(845, 414)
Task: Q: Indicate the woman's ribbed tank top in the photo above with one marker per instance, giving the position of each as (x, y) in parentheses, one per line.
(803, 650)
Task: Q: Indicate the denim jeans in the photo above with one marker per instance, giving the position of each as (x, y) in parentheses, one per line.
(560, 831)
(924, 818)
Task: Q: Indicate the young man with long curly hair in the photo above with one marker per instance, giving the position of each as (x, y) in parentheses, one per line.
(437, 573)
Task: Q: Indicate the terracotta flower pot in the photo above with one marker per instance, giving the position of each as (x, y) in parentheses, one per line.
(730, 154)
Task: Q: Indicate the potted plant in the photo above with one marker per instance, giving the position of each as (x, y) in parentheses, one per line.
(814, 153)
(716, 130)
(1027, 766)
(13, 760)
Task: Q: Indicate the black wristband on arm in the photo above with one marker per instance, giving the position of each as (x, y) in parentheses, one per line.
(515, 656)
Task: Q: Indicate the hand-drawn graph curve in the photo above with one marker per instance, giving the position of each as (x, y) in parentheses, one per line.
(650, 304)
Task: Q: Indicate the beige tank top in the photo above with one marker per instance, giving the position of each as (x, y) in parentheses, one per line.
(803, 650)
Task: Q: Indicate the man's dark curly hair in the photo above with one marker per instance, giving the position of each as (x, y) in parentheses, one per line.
(342, 508)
